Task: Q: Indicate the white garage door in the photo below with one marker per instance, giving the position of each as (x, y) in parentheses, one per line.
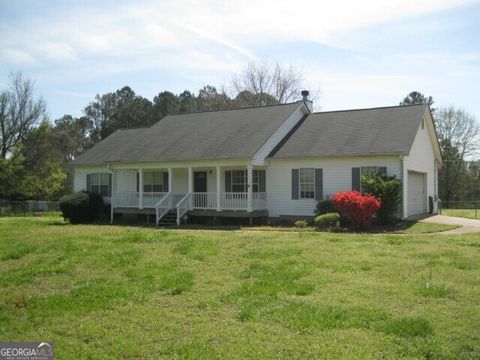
(416, 194)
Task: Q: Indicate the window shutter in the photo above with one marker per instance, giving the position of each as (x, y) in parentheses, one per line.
(262, 186)
(89, 182)
(382, 170)
(295, 184)
(228, 181)
(165, 182)
(138, 181)
(318, 184)
(109, 185)
(356, 179)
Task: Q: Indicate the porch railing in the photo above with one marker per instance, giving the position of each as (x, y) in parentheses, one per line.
(204, 200)
(234, 201)
(126, 199)
(132, 199)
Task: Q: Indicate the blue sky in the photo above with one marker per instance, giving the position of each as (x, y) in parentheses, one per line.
(357, 53)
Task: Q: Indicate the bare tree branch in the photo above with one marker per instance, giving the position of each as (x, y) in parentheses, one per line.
(19, 111)
(264, 78)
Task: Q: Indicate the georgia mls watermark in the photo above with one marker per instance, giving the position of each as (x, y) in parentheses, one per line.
(26, 351)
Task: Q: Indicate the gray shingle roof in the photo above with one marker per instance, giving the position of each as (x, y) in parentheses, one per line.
(221, 134)
(389, 130)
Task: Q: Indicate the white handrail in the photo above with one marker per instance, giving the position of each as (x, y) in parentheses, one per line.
(163, 206)
(132, 199)
(183, 206)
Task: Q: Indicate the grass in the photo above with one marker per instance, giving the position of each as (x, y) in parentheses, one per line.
(124, 292)
(403, 227)
(464, 213)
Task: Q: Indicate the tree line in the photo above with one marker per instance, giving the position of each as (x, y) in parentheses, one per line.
(459, 140)
(35, 152)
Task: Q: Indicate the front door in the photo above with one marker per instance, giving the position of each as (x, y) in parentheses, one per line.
(200, 181)
(200, 189)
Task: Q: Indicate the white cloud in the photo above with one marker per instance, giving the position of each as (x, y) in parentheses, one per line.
(145, 28)
(17, 57)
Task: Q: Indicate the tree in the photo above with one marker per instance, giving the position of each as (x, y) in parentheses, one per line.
(19, 111)
(246, 98)
(281, 84)
(210, 99)
(458, 134)
(460, 128)
(121, 109)
(45, 174)
(187, 102)
(416, 97)
(73, 135)
(165, 103)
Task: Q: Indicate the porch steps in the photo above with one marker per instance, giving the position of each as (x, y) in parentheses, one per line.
(170, 219)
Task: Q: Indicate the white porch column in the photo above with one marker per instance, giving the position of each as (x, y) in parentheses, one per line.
(249, 188)
(140, 188)
(190, 184)
(114, 194)
(170, 175)
(219, 185)
(190, 179)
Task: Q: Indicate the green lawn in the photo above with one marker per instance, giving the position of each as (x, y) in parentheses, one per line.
(465, 213)
(124, 292)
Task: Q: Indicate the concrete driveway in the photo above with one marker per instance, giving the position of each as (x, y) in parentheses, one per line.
(467, 225)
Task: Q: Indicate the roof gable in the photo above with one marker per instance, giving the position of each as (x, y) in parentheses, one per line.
(378, 131)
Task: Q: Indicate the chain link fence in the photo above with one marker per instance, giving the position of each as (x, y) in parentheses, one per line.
(27, 207)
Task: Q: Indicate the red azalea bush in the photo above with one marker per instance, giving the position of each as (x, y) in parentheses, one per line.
(356, 207)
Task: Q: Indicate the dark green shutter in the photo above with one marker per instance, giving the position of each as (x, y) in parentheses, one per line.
(165, 182)
(382, 170)
(89, 182)
(228, 181)
(318, 184)
(138, 181)
(262, 186)
(109, 185)
(356, 179)
(295, 184)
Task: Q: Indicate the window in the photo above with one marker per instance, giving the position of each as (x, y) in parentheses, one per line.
(307, 183)
(239, 180)
(98, 183)
(153, 181)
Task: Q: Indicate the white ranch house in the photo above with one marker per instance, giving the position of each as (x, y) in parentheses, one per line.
(272, 161)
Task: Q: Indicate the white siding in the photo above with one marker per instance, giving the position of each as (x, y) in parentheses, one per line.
(337, 176)
(80, 177)
(279, 135)
(421, 159)
(126, 180)
(179, 181)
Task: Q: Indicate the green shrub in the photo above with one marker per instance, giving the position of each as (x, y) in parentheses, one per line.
(387, 190)
(301, 224)
(325, 207)
(81, 207)
(328, 221)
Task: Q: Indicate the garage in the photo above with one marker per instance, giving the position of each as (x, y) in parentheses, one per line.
(417, 199)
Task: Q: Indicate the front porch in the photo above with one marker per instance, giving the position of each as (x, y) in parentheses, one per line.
(206, 191)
